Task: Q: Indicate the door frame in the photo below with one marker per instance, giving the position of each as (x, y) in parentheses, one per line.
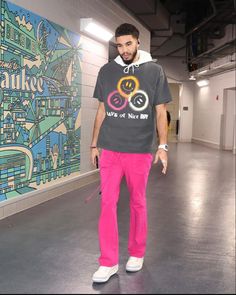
(223, 121)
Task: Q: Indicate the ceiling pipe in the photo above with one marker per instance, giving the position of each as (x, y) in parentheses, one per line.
(176, 50)
(214, 50)
(205, 21)
(162, 13)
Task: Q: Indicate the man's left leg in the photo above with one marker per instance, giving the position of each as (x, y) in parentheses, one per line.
(136, 173)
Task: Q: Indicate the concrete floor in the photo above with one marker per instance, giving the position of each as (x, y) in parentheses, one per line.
(53, 248)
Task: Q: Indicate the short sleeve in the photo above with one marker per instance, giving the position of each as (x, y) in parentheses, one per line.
(98, 90)
(162, 93)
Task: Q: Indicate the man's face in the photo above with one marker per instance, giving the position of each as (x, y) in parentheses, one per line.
(127, 47)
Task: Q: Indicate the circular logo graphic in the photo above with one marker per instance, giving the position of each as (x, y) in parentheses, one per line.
(127, 86)
(116, 101)
(139, 101)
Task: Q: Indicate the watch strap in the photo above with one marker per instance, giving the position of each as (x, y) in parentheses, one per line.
(163, 146)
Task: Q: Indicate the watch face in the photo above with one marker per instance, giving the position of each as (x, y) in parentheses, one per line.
(164, 147)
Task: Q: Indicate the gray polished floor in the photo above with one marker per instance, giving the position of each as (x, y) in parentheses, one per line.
(53, 248)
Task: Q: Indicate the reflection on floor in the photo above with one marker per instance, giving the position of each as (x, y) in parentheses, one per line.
(53, 248)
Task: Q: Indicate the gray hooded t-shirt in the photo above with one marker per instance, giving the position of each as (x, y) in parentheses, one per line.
(130, 94)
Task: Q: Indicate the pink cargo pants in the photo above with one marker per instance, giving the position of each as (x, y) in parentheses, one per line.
(135, 168)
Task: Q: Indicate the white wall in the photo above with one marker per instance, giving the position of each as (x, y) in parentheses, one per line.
(176, 72)
(229, 119)
(202, 122)
(208, 109)
(95, 55)
(186, 111)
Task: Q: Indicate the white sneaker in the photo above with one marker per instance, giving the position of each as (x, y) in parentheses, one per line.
(134, 263)
(104, 273)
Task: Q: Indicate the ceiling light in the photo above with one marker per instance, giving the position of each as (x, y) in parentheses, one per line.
(90, 26)
(202, 83)
(192, 78)
(224, 65)
(202, 72)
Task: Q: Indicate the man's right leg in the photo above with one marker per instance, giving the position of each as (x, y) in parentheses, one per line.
(111, 173)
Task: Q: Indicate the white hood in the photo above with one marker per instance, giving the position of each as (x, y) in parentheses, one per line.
(143, 58)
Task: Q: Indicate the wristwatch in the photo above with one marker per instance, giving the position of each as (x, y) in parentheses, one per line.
(163, 146)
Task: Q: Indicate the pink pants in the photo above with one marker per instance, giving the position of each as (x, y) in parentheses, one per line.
(135, 168)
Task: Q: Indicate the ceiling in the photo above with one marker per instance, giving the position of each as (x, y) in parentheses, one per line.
(202, 32)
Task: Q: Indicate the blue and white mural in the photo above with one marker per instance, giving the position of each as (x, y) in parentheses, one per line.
(40, 101)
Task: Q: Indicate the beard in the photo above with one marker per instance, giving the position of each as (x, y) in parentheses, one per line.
(128, 62)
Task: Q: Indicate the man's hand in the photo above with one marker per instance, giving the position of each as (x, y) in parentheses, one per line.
(100, 116)
(94, 154)
(162, 155)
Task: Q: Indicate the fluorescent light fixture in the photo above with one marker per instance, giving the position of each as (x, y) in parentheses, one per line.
(92, 27)
(202, 72)
(202, 83)
(224, 64)
(192, 78)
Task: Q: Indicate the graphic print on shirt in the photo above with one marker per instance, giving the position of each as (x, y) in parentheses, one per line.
(127, 86)
(128, 93)
(116, 101)
(139, 101)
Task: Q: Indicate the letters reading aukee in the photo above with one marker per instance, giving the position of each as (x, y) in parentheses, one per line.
(21, 82)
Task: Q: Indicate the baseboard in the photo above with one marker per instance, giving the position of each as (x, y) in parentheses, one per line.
(184, 140)
(28, 200)
(206, 143)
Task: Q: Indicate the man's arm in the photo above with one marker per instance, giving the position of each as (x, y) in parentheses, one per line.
(96, 128)
(162, 128)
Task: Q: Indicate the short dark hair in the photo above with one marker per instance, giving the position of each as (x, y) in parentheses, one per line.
(127, 29)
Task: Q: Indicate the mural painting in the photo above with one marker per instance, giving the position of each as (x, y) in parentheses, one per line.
(40, 102)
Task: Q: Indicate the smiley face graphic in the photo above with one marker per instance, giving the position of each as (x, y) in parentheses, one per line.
(139, 101)
(116, 101)
(127, 86)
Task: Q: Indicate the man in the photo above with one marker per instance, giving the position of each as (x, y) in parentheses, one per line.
(132, 91)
